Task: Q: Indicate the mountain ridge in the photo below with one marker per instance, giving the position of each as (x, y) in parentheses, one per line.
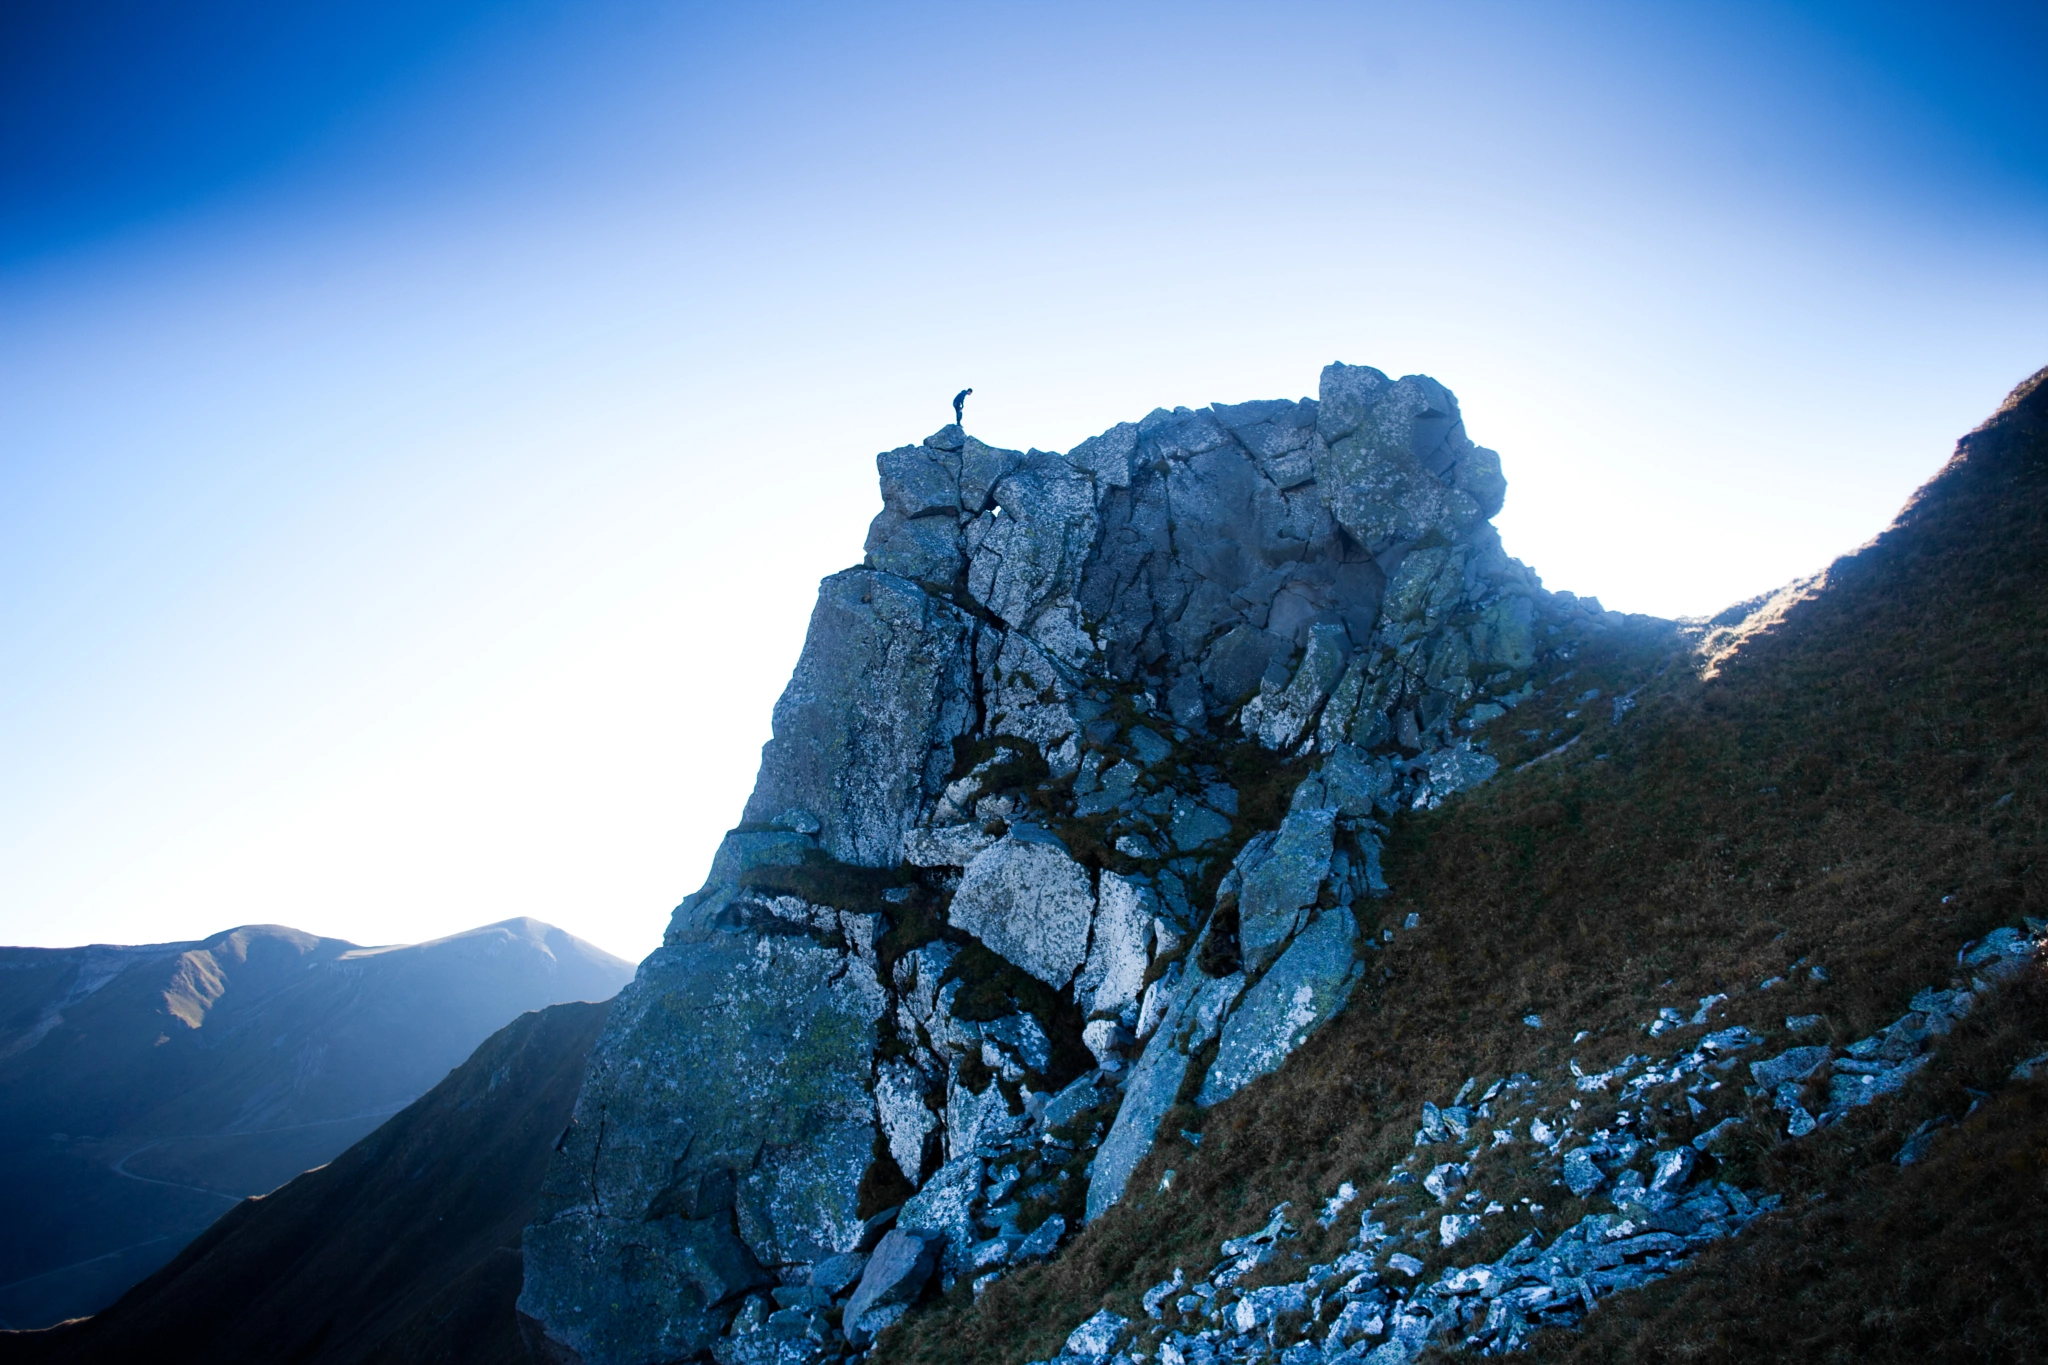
(1744, 844)
(147, 1087)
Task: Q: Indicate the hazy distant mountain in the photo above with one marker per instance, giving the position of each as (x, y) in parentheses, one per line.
(144, 1090)
(405, 1249)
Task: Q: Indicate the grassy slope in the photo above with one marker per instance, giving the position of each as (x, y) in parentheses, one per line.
(1830, 788)
(404, 1249)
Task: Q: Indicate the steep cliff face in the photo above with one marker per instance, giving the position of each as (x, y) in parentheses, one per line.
(1067, 807)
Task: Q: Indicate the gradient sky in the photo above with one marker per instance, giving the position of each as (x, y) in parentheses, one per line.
(423, 425)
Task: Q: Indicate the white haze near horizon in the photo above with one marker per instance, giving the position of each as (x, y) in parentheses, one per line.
(421, 535)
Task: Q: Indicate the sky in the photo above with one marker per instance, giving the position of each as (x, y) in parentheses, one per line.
(423, 424)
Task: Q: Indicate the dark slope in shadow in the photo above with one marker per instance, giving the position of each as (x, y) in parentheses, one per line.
(404, 1249)
(145, 1090)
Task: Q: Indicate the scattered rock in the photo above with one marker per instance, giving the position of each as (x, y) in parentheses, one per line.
(893, 1278)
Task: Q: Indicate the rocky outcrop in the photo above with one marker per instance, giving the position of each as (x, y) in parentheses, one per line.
(996, 905)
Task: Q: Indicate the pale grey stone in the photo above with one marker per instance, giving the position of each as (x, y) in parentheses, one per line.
(1021, 1041)
(1113, 794)
(1505, 633)
(837, 1274)
(1158, 999)
(864, 731)
(1453, 1228)
(1151, 749)
(1033, 550)
(1193, 1019)
(943, 1212)
(1372, 479)
(1108, 457)
(1307, 984)
(1794, 1064)
(973, 1118)
(1027, 694)
(1030, 902)
(1581, 1173)
(1425, 586)
(1349, 781)
(1117, 959)
(894, 1276)
(1674, 1168)
(905, 1118)
(1279, 886)
(1080, 1096)
(1094, 1340)
(1458, 768)
(926, 550)
(1106, 1040)
(1041, 1241)
(1278, 717)
(917, 977)
(944, 846)
(1136, 846)
(1195, 825)
(982, 467)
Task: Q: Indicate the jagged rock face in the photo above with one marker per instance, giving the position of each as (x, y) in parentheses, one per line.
(1000, 753)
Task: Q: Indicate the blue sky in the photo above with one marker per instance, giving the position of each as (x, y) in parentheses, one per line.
(422, 426)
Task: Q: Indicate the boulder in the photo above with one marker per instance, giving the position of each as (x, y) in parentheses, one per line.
(1793, 1064)
(1041, 1241)
(1280, 716)
(1031, 903)
(1280, 882)
(944, 846)
(895, 1275)
(1032, 551)
(1371, 478)
(943, 1212)
(1117, 959)
(836, 1274)
(906, 1120)
(1581, 1173)
(1190, 1024)
(1094, 1340)
(1310, 982)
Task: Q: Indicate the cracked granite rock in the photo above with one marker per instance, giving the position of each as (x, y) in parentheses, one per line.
(985, 743)
(1027, 899)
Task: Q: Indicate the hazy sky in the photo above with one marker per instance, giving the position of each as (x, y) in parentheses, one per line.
(422, 426)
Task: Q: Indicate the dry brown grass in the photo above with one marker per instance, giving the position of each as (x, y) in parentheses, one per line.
(1833, 792)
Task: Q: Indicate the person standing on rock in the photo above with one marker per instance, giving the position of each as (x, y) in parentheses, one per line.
(959, 407)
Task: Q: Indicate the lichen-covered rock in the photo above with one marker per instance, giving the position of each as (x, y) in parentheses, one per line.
(1036, 646)
(944, 846)
(943, 1212)
(1279, 716)
(1191, 1024)
(722, 1130)
(907, 1121)
(1115, 971)
(1309, 983)
(894, 1276)
(864, 731)
(1028, 900)
(1282, 882)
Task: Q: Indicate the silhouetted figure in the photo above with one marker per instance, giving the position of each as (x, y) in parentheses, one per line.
(959, 406)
